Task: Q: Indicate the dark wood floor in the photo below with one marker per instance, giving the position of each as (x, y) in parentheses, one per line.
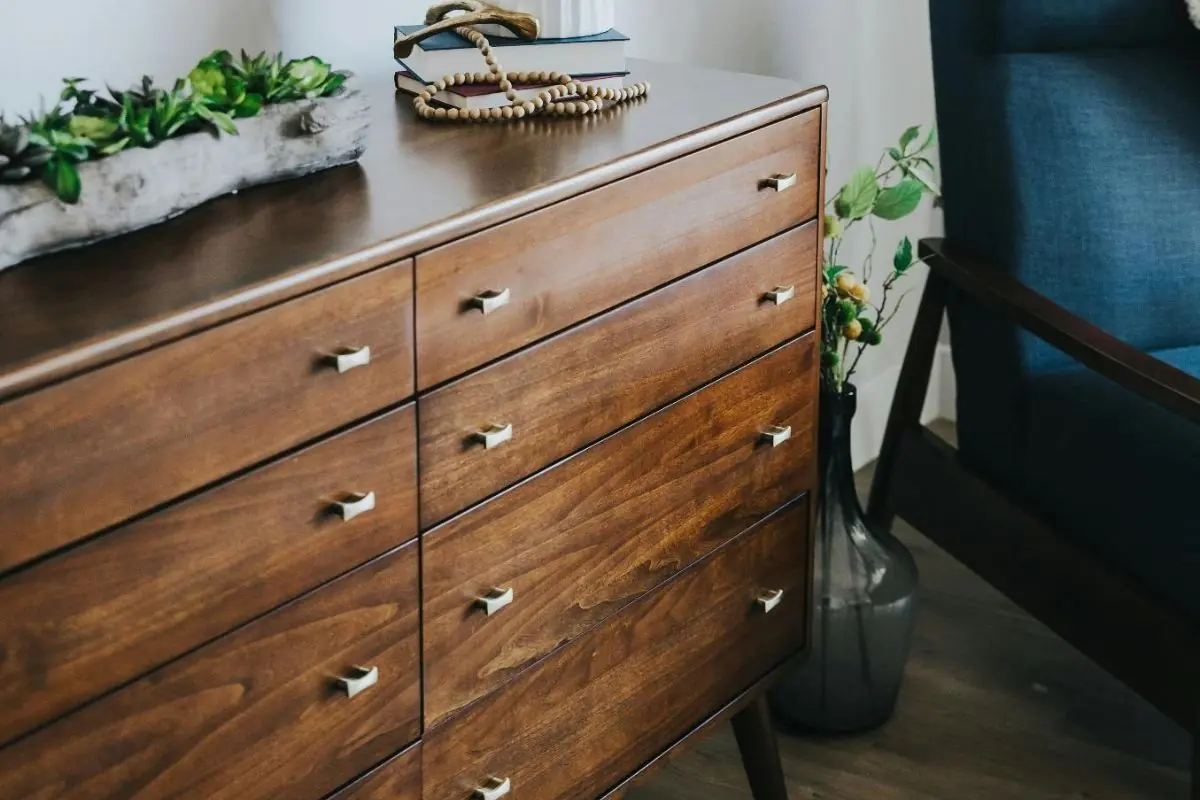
(995, 707)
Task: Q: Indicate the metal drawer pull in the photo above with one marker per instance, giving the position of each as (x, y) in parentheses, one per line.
(490, 301)
(781, 183)
(781, 294)
(769, 600)
(492, 789)
(352, 359)
(363, 678)
(777, 434)
(494, 436)
(495, 600)
(355, 507)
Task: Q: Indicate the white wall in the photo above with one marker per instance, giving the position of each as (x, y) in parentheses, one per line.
(873, 55)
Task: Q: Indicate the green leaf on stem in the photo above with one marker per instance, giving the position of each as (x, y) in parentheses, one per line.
(832, 272)
(857, 197)
(904, 256)
(909, 136)
(896, 202)
(930, 140)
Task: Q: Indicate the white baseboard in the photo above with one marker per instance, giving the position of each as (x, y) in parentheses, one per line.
(875, 403)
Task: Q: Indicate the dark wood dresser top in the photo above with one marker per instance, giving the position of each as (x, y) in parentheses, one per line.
(418, 186)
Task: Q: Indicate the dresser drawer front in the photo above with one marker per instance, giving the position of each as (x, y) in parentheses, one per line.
(116, 607)
(580, 541)
(398, 779)
(581, 385)
(575, 259)
(256, 715)
(623, 693)
(93, 451)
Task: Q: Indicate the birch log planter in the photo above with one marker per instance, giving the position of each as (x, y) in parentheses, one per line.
(140, 187)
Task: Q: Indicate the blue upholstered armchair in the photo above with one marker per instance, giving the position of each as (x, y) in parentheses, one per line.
(1070, 270)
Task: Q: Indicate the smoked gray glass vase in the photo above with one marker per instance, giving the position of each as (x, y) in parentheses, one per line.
(864, 592)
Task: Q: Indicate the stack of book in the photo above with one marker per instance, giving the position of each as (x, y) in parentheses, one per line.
(598, 60)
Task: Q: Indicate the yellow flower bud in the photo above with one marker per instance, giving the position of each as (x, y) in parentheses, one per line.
(853, 330)
(860, 292)
(845, 283)
(833, 227)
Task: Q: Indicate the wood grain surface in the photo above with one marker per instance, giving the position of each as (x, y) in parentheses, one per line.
(578, 386)
(118, 606)
(419, 186)
(585, 538)
(398, 779)
(613, 698)
(995, 706)
(256, 715)
(578, 258)
(94, 451)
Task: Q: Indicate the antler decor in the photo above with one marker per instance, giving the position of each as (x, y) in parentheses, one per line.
(554, 100)
(438, 19)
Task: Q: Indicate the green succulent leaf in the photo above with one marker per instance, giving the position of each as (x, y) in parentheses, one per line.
(115, 147)
(249, 107)
(63, 177)
(209, 81)
(908, 137)
(336, 81)
(98, 129)
(857, 197)
(896, 202)
(308, 74)
(903, 258)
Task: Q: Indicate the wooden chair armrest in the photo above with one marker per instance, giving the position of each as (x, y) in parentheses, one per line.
(1107, 355)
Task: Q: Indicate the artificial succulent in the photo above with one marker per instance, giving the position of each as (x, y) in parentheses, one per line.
(87, 125)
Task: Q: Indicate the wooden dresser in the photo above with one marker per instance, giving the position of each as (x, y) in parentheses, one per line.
(478, 470)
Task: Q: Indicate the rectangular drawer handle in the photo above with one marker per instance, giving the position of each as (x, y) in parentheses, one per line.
(776, 435)
(768, 600)
(355, 506)
(490, 301)
(781, 294)
(360, 679)
(352, 358)
(495, 600)
(781, 183)
(492, 789)
(494, 436)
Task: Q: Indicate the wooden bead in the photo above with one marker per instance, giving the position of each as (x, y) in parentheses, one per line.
(440, 85)
(427, 112)
(538, 103)
(486, 50)
(439, 113)
(495, 68)
(505, 84)
(481, 77)
(522, 77)
(425, 96)
(507, 112)
(556, 77)
(452, 114)
(569, 108)
(518, 111)
(474, 114)
(512, 95)
(459, 78)
(528, 106)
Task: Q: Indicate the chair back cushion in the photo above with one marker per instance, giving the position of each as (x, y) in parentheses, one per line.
(1070, 134)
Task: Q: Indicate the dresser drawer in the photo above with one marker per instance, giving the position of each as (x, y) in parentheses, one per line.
(573, 260)
(95, 450)
(625, 692)
(257, 714)
(582, 384)
(116, 607)
(580, 541)
(398, 779)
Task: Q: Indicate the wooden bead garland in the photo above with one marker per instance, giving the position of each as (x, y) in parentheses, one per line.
(548, 101)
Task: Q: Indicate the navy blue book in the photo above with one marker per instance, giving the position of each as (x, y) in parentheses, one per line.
(448, 53)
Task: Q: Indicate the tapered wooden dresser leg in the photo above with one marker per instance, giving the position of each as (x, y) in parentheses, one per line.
(760, 751)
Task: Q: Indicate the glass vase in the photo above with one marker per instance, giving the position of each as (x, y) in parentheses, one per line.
(864, 592)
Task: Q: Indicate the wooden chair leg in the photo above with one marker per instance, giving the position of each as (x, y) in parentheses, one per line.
(910, 396)
(760, 751)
